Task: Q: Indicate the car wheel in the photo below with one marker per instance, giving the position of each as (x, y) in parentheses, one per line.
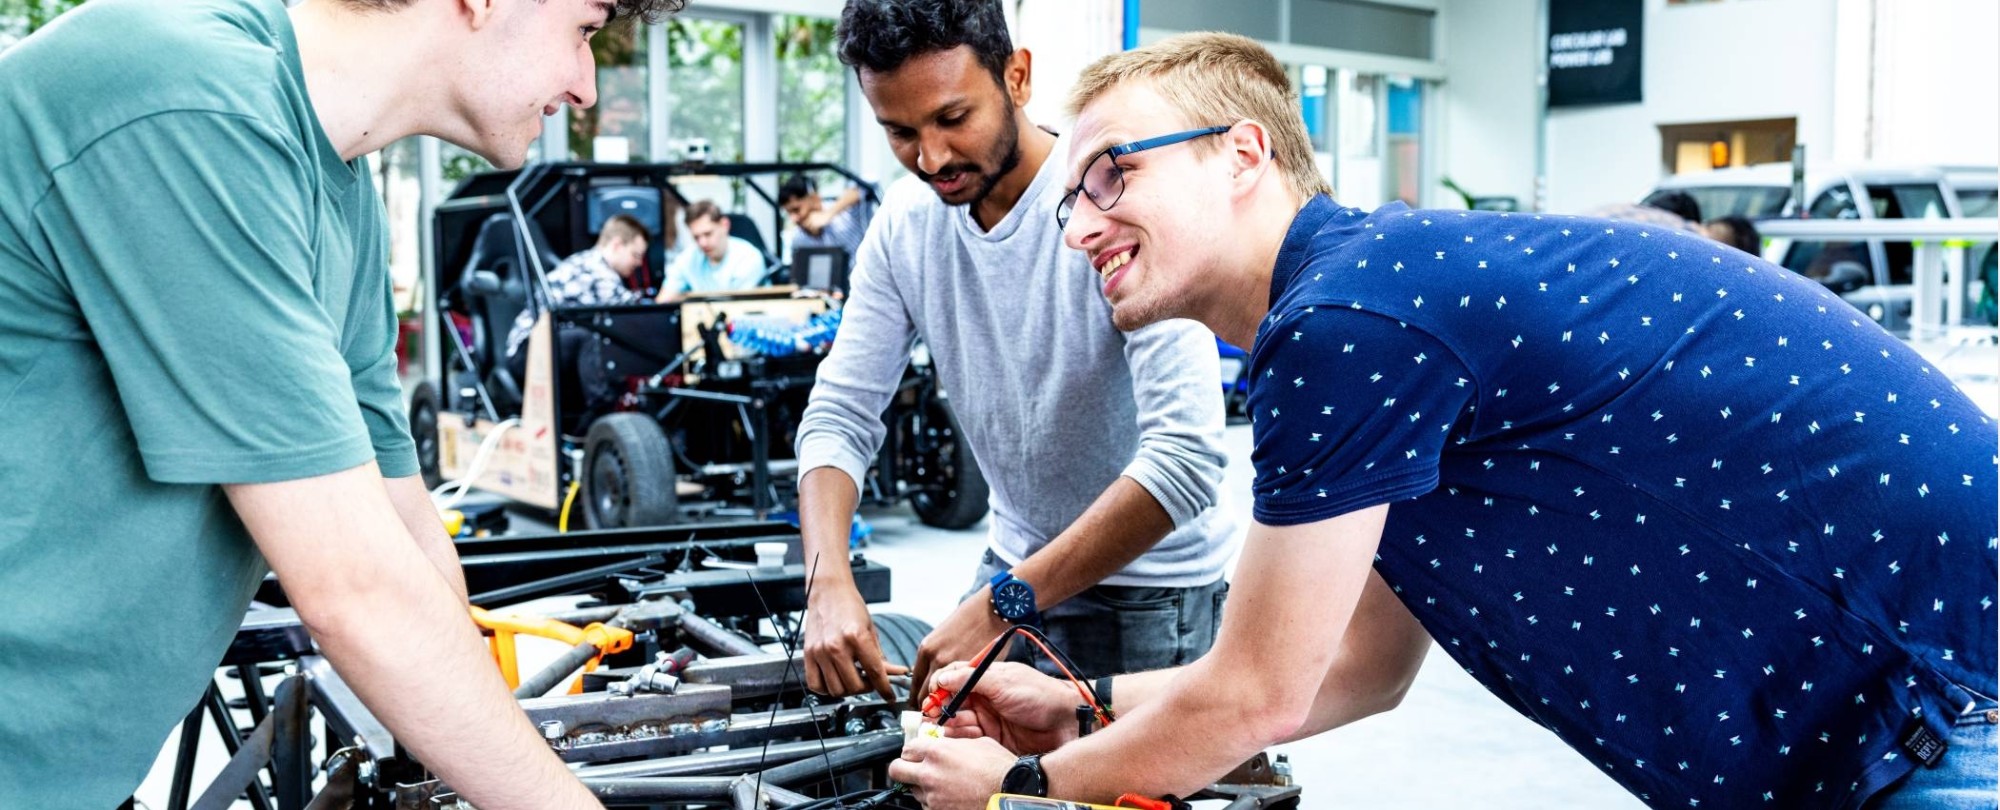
(951, 491)
(424, 430)
(900, 636)
(628, 474)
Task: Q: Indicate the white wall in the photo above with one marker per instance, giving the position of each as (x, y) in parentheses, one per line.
(1064, 36)
(1937, 82)
(1723, 61)
(1491, 53)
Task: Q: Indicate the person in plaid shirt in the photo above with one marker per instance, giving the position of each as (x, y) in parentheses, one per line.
(594, 277)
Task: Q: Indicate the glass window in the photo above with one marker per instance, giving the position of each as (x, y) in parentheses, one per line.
(812, 94)
(705, 88)
(1360, 102)
(1835, 203)
(1755, 202)
(1904, 201)
(616, 128)
(1405, 153)
(456, 164)
(1907, 201)
(1312, 105)
(1978, 203)
(396, 179)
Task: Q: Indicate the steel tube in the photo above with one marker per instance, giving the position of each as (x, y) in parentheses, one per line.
(556, 672)
(883, 745)
(661, 789)
(715, 641)
(719, 762)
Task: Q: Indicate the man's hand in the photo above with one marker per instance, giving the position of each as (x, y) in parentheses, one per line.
(947, 774)
(966, 632)
(1013, 704)
(839, 637)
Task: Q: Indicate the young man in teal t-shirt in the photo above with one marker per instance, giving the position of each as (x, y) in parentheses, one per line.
(197, 374)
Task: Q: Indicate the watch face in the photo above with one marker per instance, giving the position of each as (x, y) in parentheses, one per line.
(1014, 601)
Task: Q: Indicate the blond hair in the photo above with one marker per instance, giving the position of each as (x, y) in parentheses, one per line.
(1216, 79)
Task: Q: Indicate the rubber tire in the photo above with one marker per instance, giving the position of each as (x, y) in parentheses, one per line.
(424, 430)
(900, 636)
(966, 504)
(628, 474)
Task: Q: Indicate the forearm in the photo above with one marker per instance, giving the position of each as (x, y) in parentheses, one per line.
(827, 500)
(376, 604)
(420, 516)
(1123, 523)
(1379, 656)
(1296, 589)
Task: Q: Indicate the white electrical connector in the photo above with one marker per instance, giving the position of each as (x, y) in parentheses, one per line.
(914, 726)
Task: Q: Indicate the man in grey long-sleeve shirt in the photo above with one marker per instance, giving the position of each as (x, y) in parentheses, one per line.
(1103, 449)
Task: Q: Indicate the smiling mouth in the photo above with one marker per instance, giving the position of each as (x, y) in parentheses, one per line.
(1109, 270)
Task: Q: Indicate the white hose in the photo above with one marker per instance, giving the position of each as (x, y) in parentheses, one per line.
(477, 469)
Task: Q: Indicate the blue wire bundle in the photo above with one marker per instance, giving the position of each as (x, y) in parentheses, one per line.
(772, 337)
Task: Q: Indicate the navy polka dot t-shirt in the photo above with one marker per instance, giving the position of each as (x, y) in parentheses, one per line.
(1689, 511)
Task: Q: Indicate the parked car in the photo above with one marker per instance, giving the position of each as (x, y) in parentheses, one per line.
(1874, 275)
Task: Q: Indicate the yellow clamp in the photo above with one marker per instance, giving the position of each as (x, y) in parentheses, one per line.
(606, 638)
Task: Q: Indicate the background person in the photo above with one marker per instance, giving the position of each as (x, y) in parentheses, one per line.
(593, 277)
(718, 263)
(841, 224)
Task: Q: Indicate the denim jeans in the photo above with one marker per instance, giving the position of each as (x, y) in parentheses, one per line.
(1967, 779)
(1114, 629)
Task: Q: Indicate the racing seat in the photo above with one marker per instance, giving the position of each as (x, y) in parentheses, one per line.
(495, 290)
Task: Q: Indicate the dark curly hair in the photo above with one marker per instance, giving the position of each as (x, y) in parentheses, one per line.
(648, 11)
(880, 35)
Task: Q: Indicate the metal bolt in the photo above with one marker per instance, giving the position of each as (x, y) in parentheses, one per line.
(856, 727)
(1282, 770)
(713, 726)
(553, 730)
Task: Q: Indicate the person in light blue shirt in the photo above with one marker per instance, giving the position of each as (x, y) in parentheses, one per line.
(722, 262)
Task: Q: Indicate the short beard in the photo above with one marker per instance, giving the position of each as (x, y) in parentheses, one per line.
(1009, 153)
(1006, 154)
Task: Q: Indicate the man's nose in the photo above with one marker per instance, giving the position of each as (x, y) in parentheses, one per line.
(1085, 227)
(933, 153)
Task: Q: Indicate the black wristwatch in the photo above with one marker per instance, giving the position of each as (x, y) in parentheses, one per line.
(1026, 778)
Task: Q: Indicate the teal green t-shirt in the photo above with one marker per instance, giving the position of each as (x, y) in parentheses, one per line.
(193, 292)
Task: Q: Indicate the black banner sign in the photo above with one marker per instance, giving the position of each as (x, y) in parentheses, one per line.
(1593, 50)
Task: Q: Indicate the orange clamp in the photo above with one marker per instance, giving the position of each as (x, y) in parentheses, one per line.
(605, 638)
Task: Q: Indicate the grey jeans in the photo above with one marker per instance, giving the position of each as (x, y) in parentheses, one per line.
(1114, 629)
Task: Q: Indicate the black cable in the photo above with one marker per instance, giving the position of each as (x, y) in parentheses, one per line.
(997, 651)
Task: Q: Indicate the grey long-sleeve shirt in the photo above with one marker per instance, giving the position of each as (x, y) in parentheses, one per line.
(1055, 402)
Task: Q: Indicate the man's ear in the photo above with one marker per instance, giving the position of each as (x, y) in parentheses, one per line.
(1249, 147)
(477, 14)
(1018, 76)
